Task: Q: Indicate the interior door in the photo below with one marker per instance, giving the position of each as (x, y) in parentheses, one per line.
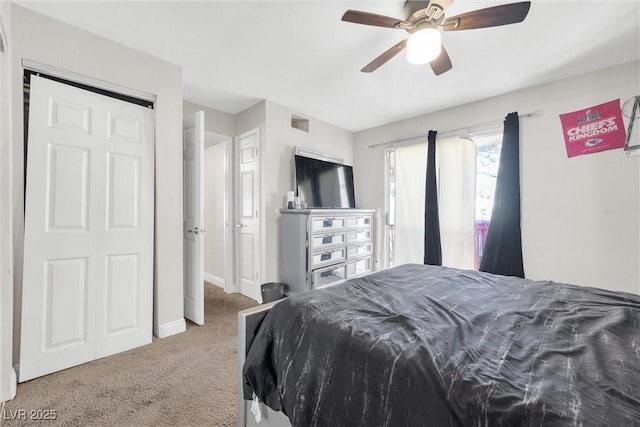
(88, 244)
(193, 158)
(248, 259)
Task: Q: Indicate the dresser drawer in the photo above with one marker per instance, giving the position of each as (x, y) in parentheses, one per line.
(319, 223)
(329, 256)
(328, 275)
(359, 221)
(358, 250)
(361, 266)
(358, 236)
(321, 241)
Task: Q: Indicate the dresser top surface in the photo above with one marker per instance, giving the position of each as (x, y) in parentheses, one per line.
(326, 211)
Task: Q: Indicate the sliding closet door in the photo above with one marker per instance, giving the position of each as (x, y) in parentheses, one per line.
(88, 249)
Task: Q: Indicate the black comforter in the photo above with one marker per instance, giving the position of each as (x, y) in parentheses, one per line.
(431, 346)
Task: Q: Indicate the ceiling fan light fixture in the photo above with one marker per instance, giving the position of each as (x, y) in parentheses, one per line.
(424, 46)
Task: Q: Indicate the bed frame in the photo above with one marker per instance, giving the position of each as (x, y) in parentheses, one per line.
(249, 321)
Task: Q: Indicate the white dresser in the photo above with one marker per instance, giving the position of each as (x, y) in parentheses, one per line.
(321, 246)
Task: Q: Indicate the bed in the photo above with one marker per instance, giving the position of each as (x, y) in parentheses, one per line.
(420, 345)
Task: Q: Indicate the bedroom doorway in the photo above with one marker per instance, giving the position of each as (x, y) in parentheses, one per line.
(208, 245)
(218, 242)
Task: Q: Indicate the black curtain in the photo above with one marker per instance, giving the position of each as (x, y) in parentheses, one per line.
(503, 248)
(432, 247)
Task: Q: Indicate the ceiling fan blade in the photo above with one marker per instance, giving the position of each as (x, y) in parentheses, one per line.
(367, 18)
(490, 17)
(442, 63)
(384, 57)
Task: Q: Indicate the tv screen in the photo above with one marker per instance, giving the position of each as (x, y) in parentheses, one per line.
(323, 184)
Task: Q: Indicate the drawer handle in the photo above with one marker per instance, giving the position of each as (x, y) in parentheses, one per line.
(327, 238)
(326, 273)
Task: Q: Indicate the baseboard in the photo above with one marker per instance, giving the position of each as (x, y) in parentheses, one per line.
(216, 280)
(13, 385)
(172, 328)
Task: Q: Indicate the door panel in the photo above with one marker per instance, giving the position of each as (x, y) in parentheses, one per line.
(189, 187)
(69, 116)
(123, 128)
(67, 189)
(248, 243)
(88, 251)
(122, 191)
(193, 246)
(247, 195)
(125, 267)
(248, 272)
(66, 289)
(190, 290)
(122, 293)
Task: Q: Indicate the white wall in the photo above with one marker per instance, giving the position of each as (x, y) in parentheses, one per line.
(51, 42)
(251, 118)
(214, 121)
(281, 140)
(7, 382)
(580, 216)
(214, 180)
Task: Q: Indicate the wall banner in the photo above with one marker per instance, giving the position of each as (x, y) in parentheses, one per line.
(593, 129)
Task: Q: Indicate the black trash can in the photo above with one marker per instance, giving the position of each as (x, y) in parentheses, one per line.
(272, 291)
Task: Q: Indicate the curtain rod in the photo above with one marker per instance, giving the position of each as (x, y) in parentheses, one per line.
(456, 132)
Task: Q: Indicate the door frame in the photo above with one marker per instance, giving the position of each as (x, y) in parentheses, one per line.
(211, 139)
(8, 379)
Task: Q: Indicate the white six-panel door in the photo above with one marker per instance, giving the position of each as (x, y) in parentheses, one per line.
(248, 259)
(193, 247)
(89, 212)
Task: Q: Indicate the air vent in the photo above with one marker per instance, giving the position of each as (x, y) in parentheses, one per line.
(299, 123)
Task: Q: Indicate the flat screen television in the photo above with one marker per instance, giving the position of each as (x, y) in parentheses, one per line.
(323, 184)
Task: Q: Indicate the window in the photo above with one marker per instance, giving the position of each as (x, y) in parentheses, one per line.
(405, 183)
(487, 161)
(390, 202)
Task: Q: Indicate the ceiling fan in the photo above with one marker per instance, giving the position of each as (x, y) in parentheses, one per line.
(424, 20)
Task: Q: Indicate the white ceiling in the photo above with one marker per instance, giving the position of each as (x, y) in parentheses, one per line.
(301, 55)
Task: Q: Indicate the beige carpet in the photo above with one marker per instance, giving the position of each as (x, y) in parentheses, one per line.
(187, 379)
